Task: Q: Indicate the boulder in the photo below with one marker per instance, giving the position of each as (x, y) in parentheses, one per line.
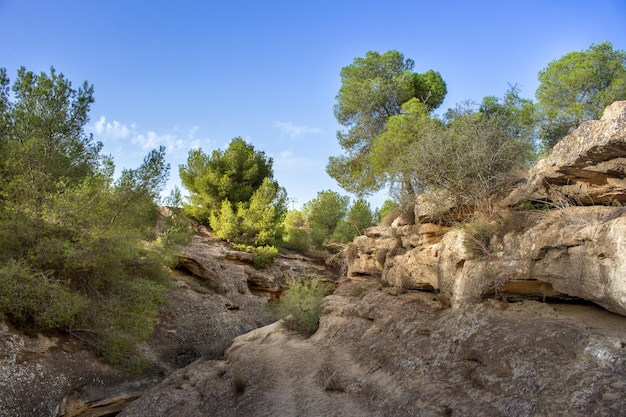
(587, 167)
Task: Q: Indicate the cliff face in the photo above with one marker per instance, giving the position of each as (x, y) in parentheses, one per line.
(425, 322)
(567, 249)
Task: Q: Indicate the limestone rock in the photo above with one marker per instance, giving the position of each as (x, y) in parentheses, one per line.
(586, 167)
(576, 252)
(381, 355)
(215, 298)
(230, 272)
(366, 255)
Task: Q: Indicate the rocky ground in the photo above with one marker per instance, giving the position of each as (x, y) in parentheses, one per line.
(530, 322)
(380, 353)
(217, 296)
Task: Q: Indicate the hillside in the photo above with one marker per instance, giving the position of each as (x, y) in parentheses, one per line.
(430, 319)
(528, 323)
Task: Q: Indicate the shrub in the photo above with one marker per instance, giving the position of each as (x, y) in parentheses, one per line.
(262, 256)
(32, 300)
(299, 305)
(477, 238)
(295, 232)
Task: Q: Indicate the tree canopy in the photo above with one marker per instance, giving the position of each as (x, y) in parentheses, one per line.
(234, 191)
(470, 154)
(373, 89)
(78, 250)
(232, 175)
(578, 86)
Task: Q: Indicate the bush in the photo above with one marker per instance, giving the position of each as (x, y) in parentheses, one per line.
(477, 238)
(262, 256)
(32, 300)
(295, 232)
(299, 305)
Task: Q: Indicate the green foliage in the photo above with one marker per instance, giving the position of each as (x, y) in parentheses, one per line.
(578, 86)
(232, 175)
(326, 222)
(430, 89)
(473, 156)
(78, 249)
(324, 213)
(381, 213)
(34, 300)
(234, 192)
(299, 305)
(388, 154)
(358, 218)
(225, 224)
(373, 89)
(295, 232)
(518, 115)
(260, 221)
(262, 256)
(257, 222)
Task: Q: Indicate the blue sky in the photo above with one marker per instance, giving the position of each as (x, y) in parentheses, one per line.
(195, 74)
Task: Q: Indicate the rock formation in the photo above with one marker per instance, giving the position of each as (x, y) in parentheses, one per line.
(217, 296)
(563, 251)
(587, 167)
(523, 315)
(380, 354)
(424, 323)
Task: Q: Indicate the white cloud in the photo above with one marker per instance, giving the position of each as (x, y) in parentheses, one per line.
(114, 130)
(294, 131)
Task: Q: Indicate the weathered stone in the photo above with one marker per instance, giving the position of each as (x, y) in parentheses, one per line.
(587, 167)
(381, 355)
(214, 299)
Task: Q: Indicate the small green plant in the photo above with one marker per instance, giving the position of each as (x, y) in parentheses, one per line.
(299, 304)
(262, 256)
(34, 300)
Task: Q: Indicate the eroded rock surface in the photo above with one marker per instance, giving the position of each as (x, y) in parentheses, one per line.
(587, 167)
(217, 296)
(570, 249)
(377, 354)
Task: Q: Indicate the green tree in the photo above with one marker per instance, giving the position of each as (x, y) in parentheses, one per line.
(235, 193)
(373, 89)
(299, 305)
(324, 213)
(261, 219)
(520, 116)
(232, 175)
(578, 86)
(358, 218)
(78, 250)
(474, 156)
(388, 156)
(296, 232)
